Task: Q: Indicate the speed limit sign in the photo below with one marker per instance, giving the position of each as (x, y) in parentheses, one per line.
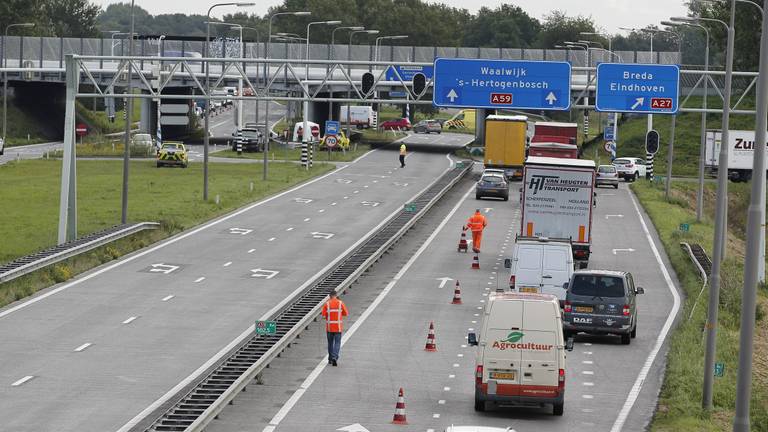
(331, 141)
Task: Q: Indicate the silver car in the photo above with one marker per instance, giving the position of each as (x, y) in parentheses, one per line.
(428, 126)
(492, 185)
(607, 175)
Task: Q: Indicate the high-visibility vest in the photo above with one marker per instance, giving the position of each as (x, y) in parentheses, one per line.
(402, 149)
(476, 222)
(333, 311)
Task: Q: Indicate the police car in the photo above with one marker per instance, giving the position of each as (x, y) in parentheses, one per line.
(172, 153)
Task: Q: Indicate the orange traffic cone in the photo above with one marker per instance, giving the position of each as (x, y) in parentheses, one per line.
(399, 417)
(463, 241)
(456, 294)
(430, 346)
(476, 262)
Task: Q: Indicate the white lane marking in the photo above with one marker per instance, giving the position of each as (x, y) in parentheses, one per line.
(200, 279)
(587, 410)
(346, 197)
(588, 352)
(291, 402)
(451, 376)
(22, 381)
(441, 402)
(446, 389)
(251, 250)
(307, 219)
(435, 415)
(228, 263)
(289, 229)
(588, 362)
(174, 240)
(588, 384)
(248, 332)
(321, 211)
(638, 385)
(588, 372)
(166, 298)
(459, 355)
(365, 186)
(83, 347)
(272, 239)
(471, 329)
(130, 320)
(586, 396)
(357, 191)
(333, 203)
(587, 343)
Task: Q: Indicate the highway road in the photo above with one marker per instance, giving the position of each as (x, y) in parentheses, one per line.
(94, 353)
(32, 151)
(610, 387)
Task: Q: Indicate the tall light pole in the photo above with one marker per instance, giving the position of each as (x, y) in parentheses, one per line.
(5, 80)
(605, 35)
(128, 120)
(331, 55)
(307, 134)
(381, 38)
(255, 30)
(206, 49)
(720, 212)
(267, 134)
(349, 56)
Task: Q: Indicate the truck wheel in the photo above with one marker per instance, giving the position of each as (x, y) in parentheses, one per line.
(477, 197)
(634, 332)
(558, 409)
(626, 339)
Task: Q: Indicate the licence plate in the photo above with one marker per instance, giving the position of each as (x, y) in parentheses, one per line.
(587, 309)
(502, 375)
(529, 290)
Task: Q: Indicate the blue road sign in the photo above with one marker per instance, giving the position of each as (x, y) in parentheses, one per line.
(608, 133)
(498, 84)
(407, 72)
(332, 127)
(637, 88)
(400, 94)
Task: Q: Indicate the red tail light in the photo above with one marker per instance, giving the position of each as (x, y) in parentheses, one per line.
(629, 165)
(561, 380)
(625, 311)
(568, 307)
(479, 374)
(512, 282)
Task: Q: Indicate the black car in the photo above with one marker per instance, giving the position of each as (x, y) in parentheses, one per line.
(601, 302)
(249, 139)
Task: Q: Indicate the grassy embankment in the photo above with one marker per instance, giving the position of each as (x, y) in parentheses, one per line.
(22, 128)
(286, 154)
(173, 197)
(680, 400)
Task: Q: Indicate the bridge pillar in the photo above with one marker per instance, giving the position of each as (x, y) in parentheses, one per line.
(319, 113)
(479, 126)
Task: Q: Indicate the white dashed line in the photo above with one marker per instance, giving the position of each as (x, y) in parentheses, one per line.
(228, 263)
(588, 372)
(441, 402)
(587, 343)
(321, 211)
(455, 365)
(333, 203)
(289, 229)
(474, 322)
(346, 197)
(130, 320)
(272, 239)
(451, 376)
(365, 186)
(166, 298)
(446, 389)
(471, 329)
(588, 384)
(587, 396)
(435, 415)
(459, 355)
(83, 347)
(587, 352)
(307, 219)
(587, 410)
(251, 250)
(588, 362)
(22, 381)
(357, 191)
(200, 279)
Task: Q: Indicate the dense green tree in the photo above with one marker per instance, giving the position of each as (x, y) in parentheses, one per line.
(73, 18)
(558, 28)
(747, 34)
(505, 26)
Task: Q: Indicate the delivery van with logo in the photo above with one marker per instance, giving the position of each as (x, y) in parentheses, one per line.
(520, 352)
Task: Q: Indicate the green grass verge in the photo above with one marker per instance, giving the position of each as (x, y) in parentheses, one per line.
(284, 153)
(98, 119)
(107, 149)
(679, 407)
(171, 196)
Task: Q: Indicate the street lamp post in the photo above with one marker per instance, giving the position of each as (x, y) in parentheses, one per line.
(381, 38)
(349, 54)
(256, 83)
(128, 120)
(267, 134)
(206, 137)
(5, 79)
(720, 213)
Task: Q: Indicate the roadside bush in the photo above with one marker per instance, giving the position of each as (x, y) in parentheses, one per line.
(61, 273)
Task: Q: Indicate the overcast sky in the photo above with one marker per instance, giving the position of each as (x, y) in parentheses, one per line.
(608, 14)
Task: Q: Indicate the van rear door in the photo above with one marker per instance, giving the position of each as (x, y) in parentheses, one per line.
(556, 263)
(527, 270)
(502, 358)
(540, 365)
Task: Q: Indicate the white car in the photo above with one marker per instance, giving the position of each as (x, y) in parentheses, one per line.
(2, 146)
(630, 168)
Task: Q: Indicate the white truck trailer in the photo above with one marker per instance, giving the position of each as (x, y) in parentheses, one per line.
(740, 152)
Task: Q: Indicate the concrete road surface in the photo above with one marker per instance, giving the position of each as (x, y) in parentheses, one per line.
(610, 387)
(92, 354)
(32, 151)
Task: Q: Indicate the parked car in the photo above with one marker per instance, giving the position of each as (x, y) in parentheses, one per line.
(540, 265)
(428, 126)
(601, 302)
(607, 175)
(399, 124)
(520, 352)
(492, 185)
(630, 168)
(143, 139)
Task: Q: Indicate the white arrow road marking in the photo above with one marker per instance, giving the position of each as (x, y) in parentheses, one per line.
(357, 427)
(551, 98)
(622, 250)
(638, 103)
(264, 273)
(241, 231)
(452, 95)
(130, 320)
(370, 203)
(322, 235)
(614, 216)
(22, 381)
(83, 347)
(488, 209)
(163, 268)
(302, 200)
(443, 281)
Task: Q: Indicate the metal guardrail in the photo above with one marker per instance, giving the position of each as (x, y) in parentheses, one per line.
(38, 260)
(207, 398)
(703, 263)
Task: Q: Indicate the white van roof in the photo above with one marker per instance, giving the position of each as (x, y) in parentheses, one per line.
(541, 160)
(509, 296)
(556, 124)
(520, 118)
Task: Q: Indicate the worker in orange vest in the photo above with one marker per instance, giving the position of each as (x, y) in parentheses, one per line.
(476, 223)
(333, 311)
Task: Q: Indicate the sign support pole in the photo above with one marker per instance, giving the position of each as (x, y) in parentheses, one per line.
(670, 156)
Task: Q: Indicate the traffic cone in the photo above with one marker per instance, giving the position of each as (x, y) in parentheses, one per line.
(430, 346)
(463, 242)
(399, 417)
(456, 294)
(476, 262)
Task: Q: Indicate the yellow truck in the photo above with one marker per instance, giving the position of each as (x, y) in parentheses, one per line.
(505, 140)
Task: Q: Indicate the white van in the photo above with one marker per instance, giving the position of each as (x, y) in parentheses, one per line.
(540, 265)
(520, 355)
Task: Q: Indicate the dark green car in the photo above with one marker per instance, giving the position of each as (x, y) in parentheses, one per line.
(601, 302)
